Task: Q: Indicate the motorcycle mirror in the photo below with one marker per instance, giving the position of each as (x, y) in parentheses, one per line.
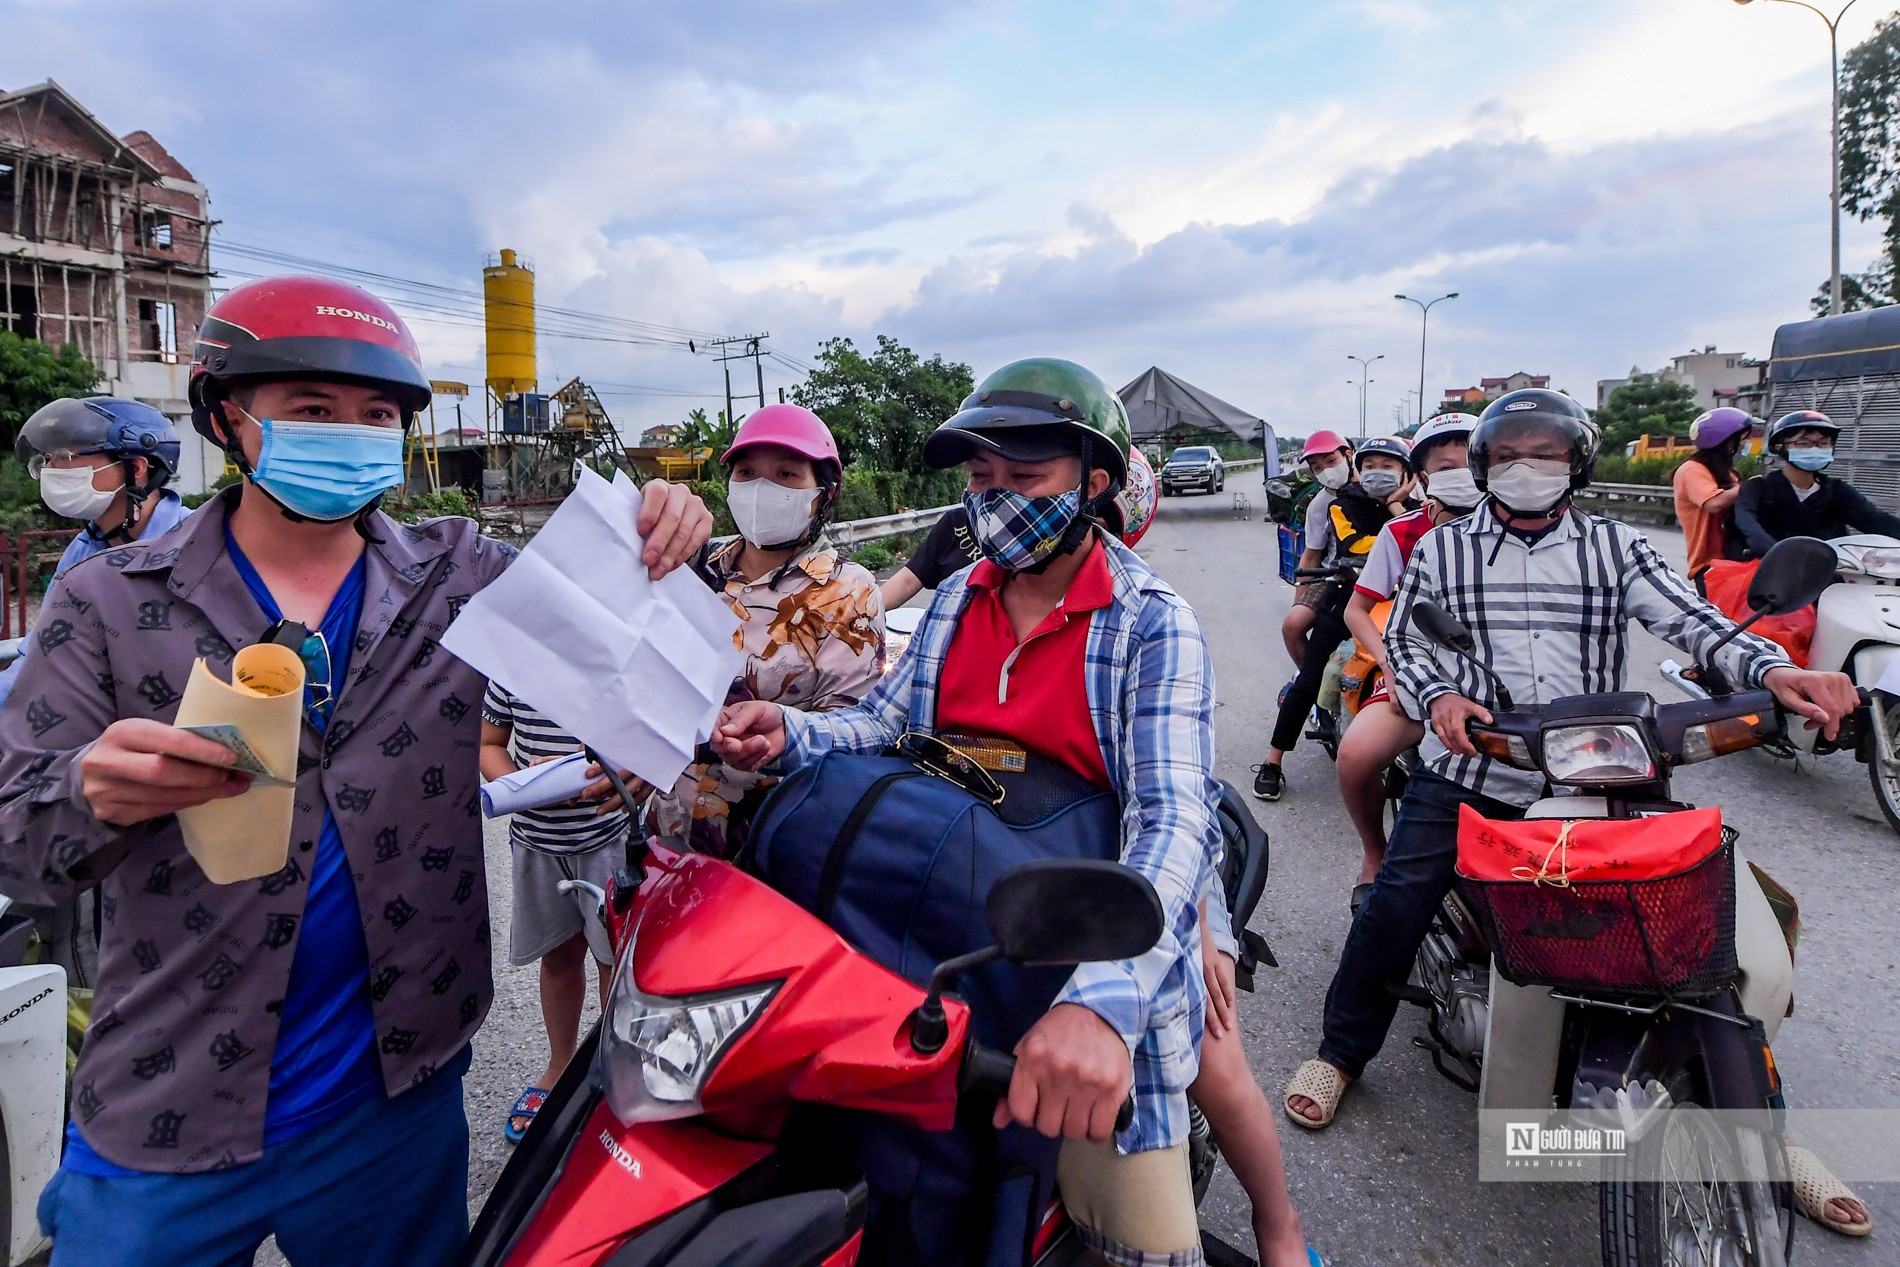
(1065, 911)
(1442, 627)
(1792, 574)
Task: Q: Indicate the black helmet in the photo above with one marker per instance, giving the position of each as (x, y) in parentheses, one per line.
(1799, 420)
(1534, 411)
(101, 424)
(1390, 446)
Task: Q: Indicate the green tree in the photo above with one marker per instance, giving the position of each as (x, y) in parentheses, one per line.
(1870, 156)
(1657, 406)
(31, 374)
(881, 407)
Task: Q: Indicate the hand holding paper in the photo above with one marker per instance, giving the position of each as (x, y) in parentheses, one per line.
(247, 836)
(633, 667)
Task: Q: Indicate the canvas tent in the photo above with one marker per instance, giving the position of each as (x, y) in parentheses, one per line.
(1164, 410)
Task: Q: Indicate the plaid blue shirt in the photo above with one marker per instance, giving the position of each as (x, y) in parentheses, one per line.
(1150, 687)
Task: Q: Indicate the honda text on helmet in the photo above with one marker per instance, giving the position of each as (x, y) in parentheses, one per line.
(62, 432)
(1449, 485)
(308, 329)
(1532, 450)
(769, 514)
(1385, 478)
(1812, 434)
(1318, 453)
(1031, 411)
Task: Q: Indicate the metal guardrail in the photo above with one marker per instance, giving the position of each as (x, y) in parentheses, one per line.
(858, 531)
(1632, 492)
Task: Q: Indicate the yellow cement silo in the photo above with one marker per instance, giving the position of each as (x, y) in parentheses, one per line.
(508, 302)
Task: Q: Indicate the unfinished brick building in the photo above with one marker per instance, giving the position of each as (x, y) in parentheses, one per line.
(104, 243)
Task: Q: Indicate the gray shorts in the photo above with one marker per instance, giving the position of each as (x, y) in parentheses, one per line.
(544, 918)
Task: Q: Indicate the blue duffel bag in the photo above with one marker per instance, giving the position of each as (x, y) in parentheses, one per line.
(898, 853)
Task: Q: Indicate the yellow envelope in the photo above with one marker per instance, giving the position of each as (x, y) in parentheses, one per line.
(244, 837)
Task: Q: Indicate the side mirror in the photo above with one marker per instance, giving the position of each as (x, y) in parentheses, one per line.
(1443, 628)
(1792, 574)
(1062, 911)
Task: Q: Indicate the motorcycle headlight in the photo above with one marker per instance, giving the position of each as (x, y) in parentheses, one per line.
(1597, 754)
(656, 1053)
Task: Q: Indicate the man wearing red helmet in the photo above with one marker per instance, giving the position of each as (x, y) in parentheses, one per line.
(279, 1056)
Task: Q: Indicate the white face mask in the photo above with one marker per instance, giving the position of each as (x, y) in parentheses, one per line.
(1335, 476)
(69, 493)
(1530, 486)
(1453, 487)
(770, 515)
(1381, 484)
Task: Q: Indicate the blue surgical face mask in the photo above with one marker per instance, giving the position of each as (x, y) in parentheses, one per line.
(1016, 532)
(327, 471)
(1811, 459)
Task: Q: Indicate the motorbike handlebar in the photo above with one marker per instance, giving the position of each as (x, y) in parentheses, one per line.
(1344, 572)
(988, 1070)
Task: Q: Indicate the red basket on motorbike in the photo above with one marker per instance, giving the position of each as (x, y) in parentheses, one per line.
(1625, 906)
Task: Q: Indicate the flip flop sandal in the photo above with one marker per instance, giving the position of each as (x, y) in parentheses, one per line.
(527, 1104)
(1323, 1085)
(1312, 1257)
(1815, 1186)
(1358, 899)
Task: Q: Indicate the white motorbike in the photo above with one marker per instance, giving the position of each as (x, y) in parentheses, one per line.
(1857, 631)
(32, 1084)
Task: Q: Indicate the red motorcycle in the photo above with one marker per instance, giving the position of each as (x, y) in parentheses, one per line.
(692, 1127)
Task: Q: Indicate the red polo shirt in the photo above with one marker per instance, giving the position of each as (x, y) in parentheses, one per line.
(1033, 692)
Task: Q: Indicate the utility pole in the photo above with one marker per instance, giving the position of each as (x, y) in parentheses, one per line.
(746, 345)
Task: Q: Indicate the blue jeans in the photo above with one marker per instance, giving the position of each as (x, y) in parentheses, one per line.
(1419, 867)
(385, 1184)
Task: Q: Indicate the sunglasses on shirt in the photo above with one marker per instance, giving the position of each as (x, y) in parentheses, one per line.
(313, 650)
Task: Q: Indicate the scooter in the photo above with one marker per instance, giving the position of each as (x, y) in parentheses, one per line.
(1856, 632)
(32, 1083)
(1606, 1036)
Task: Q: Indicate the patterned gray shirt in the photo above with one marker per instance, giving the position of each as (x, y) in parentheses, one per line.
(1551, 617)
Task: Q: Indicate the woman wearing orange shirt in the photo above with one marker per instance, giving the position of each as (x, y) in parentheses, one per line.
(1706, 484)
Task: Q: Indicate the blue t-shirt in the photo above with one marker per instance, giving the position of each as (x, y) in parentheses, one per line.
(325, 1061)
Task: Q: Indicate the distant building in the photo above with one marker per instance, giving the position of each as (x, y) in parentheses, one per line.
(105, 243)
(666, 436)
(1473, 399)
(1719, 378)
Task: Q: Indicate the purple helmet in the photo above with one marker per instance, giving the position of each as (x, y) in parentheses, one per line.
(1716, 427)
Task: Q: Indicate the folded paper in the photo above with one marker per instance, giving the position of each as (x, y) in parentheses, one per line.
(531, 787)
(243, 837)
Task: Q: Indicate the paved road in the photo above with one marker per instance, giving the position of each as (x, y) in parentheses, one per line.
(1394, 1180)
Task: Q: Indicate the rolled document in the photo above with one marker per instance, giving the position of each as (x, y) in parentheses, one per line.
(244, 837)
(534, 786)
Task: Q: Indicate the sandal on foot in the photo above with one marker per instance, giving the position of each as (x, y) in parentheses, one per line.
(1312, 1256)
(527, 1104)
(1815, 1185)
(1358, 898)
(1323, 1085)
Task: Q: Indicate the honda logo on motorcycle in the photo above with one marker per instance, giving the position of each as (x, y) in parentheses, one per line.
(622, 1158)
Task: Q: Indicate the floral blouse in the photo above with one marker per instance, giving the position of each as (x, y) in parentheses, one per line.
(813, 637)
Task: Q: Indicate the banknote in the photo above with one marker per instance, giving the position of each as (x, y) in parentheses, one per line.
(248, 762)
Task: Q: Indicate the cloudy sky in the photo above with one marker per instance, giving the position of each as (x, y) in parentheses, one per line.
(1231, 190)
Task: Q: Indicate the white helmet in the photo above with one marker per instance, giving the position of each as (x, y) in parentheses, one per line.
(1434, 430)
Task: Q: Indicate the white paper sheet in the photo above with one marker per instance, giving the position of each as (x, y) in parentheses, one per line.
(532, 787)
(575, 627)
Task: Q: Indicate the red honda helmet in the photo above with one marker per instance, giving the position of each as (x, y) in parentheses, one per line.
(303, 327)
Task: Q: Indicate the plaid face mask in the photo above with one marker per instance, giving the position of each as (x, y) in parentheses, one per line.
(1017, 532)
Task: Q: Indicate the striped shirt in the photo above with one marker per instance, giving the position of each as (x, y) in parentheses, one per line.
(531, 736)
(1150, 685)
(1551, 617)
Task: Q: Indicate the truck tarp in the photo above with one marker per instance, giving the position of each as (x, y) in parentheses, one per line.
(1846, 346)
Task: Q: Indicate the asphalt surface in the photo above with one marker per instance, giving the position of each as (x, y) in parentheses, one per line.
(1393, 1181)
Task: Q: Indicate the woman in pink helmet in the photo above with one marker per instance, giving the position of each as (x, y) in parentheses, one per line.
(1328, 455)
(813, 624)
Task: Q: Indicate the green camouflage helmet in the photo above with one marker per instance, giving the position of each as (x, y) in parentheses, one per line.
(1034, 410)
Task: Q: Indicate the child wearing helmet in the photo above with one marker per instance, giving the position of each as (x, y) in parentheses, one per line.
(1349, 523)
(1706, 485)
(1381, 731)
(812, 621)
(104, 461)
(1797, 500)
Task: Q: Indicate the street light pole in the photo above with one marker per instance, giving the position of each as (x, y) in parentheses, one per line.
(1424, 323)
(1834, 82)
(1365, 369)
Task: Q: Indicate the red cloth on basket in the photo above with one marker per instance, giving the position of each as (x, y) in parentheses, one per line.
(1727, 585)
(1556, 849)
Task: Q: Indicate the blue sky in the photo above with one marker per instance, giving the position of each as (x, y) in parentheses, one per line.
(1233, 191)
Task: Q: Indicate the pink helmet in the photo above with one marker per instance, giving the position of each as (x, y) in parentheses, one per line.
(1320, 443)
(791, 426)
